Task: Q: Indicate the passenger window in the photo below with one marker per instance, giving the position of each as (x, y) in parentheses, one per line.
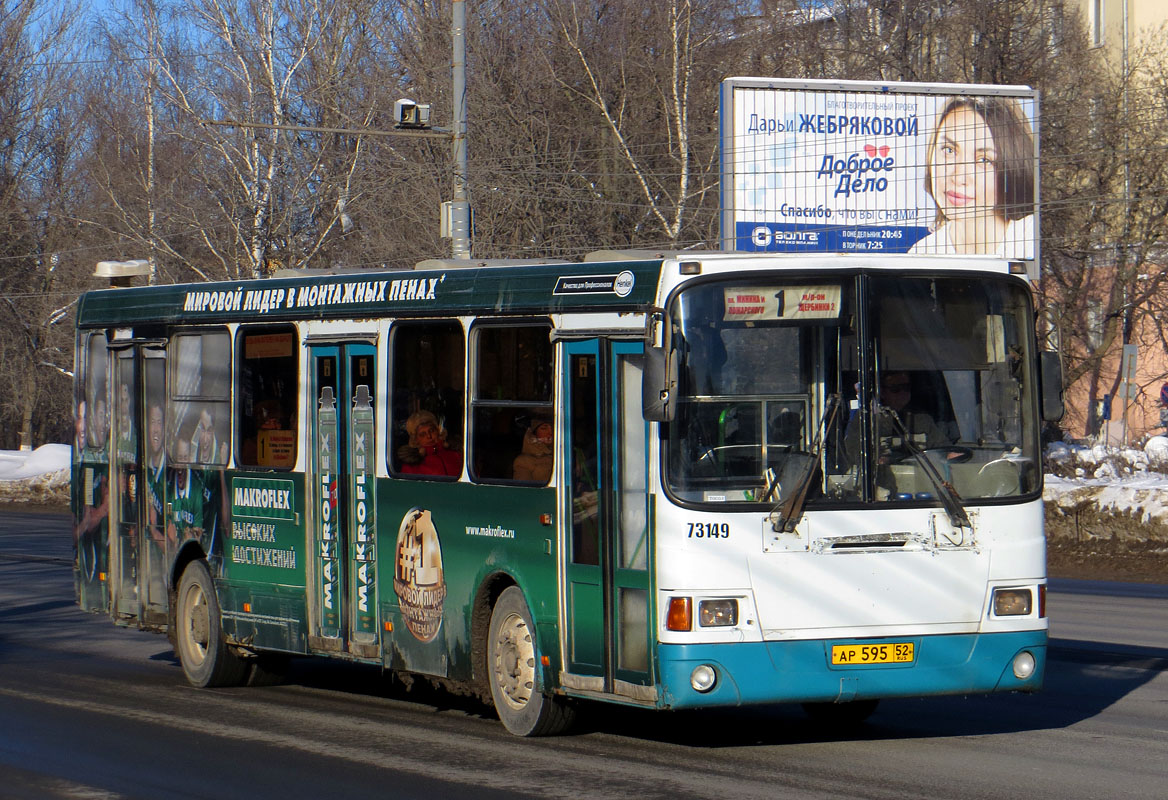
(198, 418)
(512, 410)
(427, 399)
(266, 412)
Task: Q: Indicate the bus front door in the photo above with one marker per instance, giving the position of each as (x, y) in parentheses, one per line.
(344, 602)
(606, 593)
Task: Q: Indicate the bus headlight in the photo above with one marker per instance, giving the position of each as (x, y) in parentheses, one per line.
(703, 678)
(1012, 602)
(717, 613)
(1024, 665)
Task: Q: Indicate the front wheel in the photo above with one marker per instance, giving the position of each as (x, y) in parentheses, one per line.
(206, 658)
(511, 668)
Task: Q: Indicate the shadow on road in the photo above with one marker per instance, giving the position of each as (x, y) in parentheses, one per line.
(1081, 682)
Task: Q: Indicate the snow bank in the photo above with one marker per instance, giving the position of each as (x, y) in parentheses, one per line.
(39, 476)
(18, 465)
(1129, 483)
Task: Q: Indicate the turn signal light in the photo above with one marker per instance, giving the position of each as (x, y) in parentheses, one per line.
(680, 614)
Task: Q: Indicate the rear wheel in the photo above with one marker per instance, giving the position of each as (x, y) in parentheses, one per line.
(206, 658)
(511, 667)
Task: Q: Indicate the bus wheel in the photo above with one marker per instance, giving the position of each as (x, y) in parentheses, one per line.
(511, 667)
(852, 713)
(206, 658)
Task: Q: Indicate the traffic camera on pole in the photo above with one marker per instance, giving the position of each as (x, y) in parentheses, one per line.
(408, 114)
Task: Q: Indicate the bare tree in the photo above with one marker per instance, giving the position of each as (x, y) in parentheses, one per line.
(227, 87)
(1108, 212)
(38, 195)
(636, 67)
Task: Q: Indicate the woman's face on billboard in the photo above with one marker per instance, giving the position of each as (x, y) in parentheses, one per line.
(964, 175)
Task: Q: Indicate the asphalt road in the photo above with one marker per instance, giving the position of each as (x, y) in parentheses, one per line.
(89, 710)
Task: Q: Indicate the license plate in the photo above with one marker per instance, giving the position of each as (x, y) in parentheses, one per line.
(886, 653)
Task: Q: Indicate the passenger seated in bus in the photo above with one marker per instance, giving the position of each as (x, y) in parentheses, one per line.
(534, 462)
(426, 452)
(896, 394)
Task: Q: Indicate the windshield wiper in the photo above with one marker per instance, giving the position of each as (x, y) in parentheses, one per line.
(945, 491)
(785, 516)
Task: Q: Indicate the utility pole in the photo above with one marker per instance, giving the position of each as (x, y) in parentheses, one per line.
(460, 231)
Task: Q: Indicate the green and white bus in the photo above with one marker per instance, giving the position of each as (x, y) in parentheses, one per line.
(669, 480)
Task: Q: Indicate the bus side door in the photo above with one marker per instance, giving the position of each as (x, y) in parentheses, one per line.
(606, 595)
(342, 481)
(139, 552)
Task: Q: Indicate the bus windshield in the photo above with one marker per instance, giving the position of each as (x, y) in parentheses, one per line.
(919, 390)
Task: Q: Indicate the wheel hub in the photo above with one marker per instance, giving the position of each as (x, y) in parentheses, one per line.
(515, 661)
(198, 624)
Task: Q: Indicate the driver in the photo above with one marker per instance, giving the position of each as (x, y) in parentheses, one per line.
(895, 393)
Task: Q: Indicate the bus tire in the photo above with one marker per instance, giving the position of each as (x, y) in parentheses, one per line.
(850, 713)
(512, 660)
(206, 659)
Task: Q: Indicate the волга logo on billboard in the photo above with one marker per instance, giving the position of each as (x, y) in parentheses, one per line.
(417, 574)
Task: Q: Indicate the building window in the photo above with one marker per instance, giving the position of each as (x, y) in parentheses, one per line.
(1097, 10)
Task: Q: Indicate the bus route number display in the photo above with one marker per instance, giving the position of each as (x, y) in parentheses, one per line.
(782, 303)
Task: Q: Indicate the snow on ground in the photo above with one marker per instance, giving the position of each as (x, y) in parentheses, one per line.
(35, 476)
(18, 465)
(1128, 480)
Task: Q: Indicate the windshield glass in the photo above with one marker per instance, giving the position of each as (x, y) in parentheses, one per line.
(758, 361)
(944, 375)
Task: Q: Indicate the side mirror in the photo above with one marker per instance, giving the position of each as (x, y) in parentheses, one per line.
(1051, 382)
(659, 378)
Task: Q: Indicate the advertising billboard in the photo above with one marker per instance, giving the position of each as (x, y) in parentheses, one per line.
(856, 166)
